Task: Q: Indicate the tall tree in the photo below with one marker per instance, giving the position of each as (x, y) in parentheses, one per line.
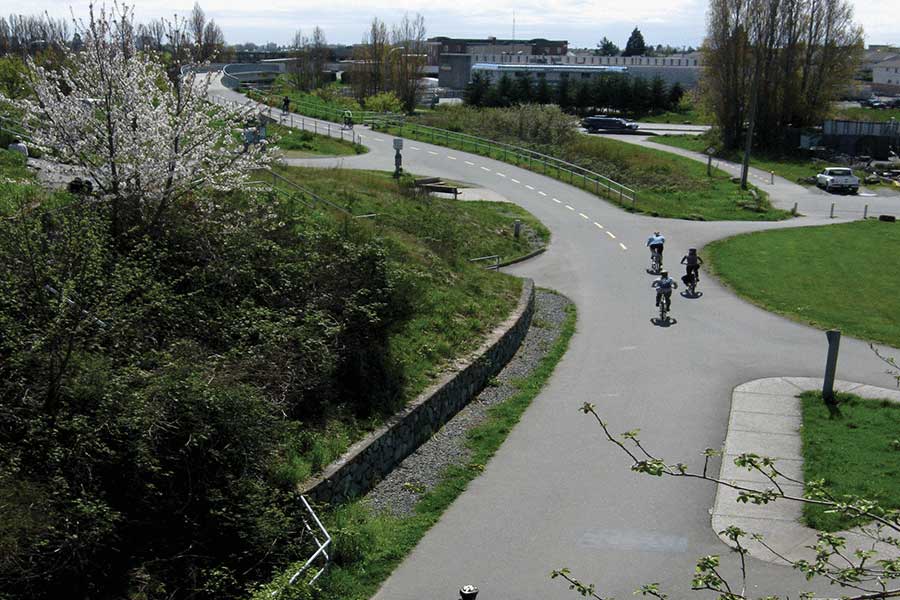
(477, 90)
(658, 97)
(607, 48)
(370, 68)
(523, 92)
(635, 45)
(542, 92)
(406, 59)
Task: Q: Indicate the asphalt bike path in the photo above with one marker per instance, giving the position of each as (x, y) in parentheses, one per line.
(556, 494)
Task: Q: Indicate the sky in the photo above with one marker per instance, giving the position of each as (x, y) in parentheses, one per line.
(582, 22)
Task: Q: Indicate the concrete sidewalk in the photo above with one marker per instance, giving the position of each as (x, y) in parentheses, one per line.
(766, 419)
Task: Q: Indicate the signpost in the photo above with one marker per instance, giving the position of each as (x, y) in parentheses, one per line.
(398, 158)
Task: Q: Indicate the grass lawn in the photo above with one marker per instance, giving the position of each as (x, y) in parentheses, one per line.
(369, 546)
(834, 276)
(666, 185)
(689, 117)
(857, 454)
(792, 169)
(858, 113)
(296, 143)
(457, 302)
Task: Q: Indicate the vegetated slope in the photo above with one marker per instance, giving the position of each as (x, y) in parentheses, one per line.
(666, 185)
(834, 276)
(161, 395)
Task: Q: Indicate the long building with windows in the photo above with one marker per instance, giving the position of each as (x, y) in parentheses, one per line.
(552, 73)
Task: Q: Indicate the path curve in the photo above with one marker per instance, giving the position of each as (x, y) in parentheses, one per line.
(556, 494)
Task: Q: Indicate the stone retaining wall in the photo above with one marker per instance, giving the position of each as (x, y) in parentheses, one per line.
(373, 457)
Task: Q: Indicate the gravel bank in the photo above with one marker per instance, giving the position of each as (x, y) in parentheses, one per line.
(398, 492)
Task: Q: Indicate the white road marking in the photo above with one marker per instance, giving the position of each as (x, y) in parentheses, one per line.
(557, 201)
(598, 224)
(569, 207)
(500, 174)
(529, 187)
(584, 216)
(485, 169)
(451, 157)
(609, 233)
(430, 152)
(374, 139)
(623, 246)
(413, 147)
(514, 180)
(470, 163)
(542, 193)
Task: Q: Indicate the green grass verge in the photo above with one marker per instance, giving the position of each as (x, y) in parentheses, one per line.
(857, 454)
(859, 113)
(792, 169)
(833, 276)
(688, 117)
(457, 302)
(369, 546)
(666, 185)
(296, 143)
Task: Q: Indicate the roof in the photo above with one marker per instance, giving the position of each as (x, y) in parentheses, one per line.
(543, 68)
(888, 64)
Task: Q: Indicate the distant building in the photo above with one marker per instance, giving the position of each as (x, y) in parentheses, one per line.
(552, 73)
(439, 46)
(887, 74)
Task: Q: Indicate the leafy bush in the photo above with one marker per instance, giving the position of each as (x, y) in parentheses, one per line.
(384, 102)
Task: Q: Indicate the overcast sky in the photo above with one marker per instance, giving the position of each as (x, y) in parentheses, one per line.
(582, 22)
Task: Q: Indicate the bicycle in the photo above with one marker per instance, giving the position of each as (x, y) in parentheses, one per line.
(690, 283)
(665, 302)
(655, 262)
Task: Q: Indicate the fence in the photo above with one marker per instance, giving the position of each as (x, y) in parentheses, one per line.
(294, 191)
(517, 155)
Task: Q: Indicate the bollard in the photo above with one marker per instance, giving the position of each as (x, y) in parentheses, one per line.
(794, 210)
(865, 212)
(834, 344)
(772, 177)
(517, 228)
(832, 211)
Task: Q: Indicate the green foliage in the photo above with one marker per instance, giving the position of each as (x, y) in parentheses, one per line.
(607, 48)
(854, 456)
(384, 102)
(777, 270)
(298, 143)
(13, 78)
(635, 45)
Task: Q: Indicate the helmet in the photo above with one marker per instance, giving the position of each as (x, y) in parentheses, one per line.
(655, 233)
(663, 273)
(692, 251)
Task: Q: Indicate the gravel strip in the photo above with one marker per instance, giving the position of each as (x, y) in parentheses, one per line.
(419, 472)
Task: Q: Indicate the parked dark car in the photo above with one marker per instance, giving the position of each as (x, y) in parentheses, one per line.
(604, 123)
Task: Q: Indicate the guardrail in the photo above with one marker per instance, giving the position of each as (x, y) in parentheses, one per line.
(523, 157)
(324, 112)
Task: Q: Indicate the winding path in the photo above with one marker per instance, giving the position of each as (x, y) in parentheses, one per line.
(556, 494)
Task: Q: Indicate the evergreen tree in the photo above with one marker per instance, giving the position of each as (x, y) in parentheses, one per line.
(562, 94)
(582, 96)
(600, 96)
(477, 89)
(659, 100)
(505, 91)
(523, 91)
(543, 94)
(607, 48)
(620, 93)
(635, 45)
(676, 92)
(640, 97)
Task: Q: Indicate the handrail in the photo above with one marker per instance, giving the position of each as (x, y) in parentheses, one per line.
(494, 257)
(275, 176)
(439, 135)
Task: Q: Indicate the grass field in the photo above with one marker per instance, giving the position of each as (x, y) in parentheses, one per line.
(835, 276)
(369, 546)
(868, 114)
(295, 143)
(857, 454)
(792, 169)
(688, 117)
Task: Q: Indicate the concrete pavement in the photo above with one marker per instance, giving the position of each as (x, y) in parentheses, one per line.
(766, 417)
(556, 494)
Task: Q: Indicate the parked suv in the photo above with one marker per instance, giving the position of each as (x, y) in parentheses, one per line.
(604, 123)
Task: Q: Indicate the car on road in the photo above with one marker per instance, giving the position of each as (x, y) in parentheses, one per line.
(838, 178)
(605, 123)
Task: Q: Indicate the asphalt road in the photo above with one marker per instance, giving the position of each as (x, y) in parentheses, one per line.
(556, 494)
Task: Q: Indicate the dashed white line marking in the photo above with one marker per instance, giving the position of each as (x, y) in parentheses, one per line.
(569, 207)
(514, 180)
(415, 147)
(470, 163)
(584, 216)
(557, 201)
(623, 246)
(598, 224)
(542, 193)
(609, 233)
(374, 139)
(451, 157)
(529, 187)
(499, 174)
(434, 153)
(485, 169)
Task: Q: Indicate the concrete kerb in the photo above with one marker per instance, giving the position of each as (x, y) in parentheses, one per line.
(373, 457)
(766, 419)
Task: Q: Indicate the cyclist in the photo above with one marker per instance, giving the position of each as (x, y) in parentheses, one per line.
(348, 119)
(692, 262)
(285, 104)
(664, 286)
(656, 243)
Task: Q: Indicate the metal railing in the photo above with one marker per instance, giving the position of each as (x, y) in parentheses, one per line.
(321, 547)
(493, 257)
(298, 192)
(523, 157)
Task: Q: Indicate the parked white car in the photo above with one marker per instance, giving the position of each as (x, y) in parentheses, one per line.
(838, 178)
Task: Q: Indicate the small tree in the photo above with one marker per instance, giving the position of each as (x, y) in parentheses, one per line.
(477, 90)
(582, 96)
(635, 45)
(676, 93)
(542, 93)
(505, 91)
(563, 99)
(659, 100)
(607, 48)
(146, 141)
(523, 91)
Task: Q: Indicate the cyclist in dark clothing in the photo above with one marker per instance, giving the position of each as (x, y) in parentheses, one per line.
(285, 104)
(692, 262)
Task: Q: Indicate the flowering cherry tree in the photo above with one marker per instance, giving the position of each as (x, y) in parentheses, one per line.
(147, 140)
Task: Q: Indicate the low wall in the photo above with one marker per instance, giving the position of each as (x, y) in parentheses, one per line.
(373, 457)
